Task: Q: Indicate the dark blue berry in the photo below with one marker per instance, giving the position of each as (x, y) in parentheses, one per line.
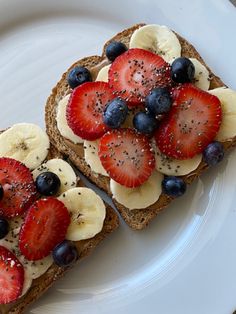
(182, 70)
(115, 113)
(114, 49)
(1, 192)
(173, 186)
(47, 183)
(144, 123)
(4, 227)
(78, 76)
(213, 153)
(158, 101)
(65, 254)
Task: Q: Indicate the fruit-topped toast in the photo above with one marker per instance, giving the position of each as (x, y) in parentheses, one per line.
(48, 220)
(143, 120)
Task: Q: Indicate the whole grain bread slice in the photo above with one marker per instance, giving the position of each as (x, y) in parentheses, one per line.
(85, 248)
(137, 218)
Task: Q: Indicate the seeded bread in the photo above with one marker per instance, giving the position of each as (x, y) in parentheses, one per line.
(85, 247)
(137, 218)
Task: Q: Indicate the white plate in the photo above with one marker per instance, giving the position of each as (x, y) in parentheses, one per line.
(185, 262)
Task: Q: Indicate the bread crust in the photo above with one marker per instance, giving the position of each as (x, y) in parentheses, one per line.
(85, 247)
(137, 218)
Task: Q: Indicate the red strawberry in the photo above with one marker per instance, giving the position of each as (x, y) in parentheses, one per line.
(191, 124)
(11, 276)
(136, 72)
(45, 226)
(85, 109)
(127, 156)
(18, 185)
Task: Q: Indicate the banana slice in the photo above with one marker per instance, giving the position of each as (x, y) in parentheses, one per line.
(227, 98)
(27, 282)
(141, 197)
(175, 167)
(25, 142)
(10, 241)
(62, 124)
(158, 39)
(91, 157)
(62, 169)
(16, 222)
(202, 75)
(103, 74)
(36, 268)
(87, 212)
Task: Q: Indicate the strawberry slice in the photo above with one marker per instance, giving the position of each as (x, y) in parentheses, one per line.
(127, 157)
(45, 226)
(18, 186)
(191, 124)
(11, 276)
(85, 109)
(136, 72)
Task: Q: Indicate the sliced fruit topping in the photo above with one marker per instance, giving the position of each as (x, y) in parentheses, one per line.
(84, 112)
(87, 212)
(136, 72)
(62, 124)
(227, 99)
(65, 253)
(33, 269)
(44, 227)
(91, 157)
(127, 157)
(175, 167)
(115, 49)
(182, 70)
(11, 276)
(191, 124)
(213, 153)
(140, 197)
(157, 38)
(25, 142)
(174, 186)
(202, 76)
(78, 76)
(18, 185)
(103, 74)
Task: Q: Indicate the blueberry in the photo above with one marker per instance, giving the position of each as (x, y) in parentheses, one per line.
(4, 227)
(47, 183)
(173, 186)
(65, 253)
(158, 101)
(144, 123)
(115, 112)
(1, 192)
(213, 153)
(78, 76)
(182, 70)
(114, 49)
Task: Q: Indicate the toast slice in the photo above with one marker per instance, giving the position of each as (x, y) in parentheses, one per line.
(137, 218)
(85, 248)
